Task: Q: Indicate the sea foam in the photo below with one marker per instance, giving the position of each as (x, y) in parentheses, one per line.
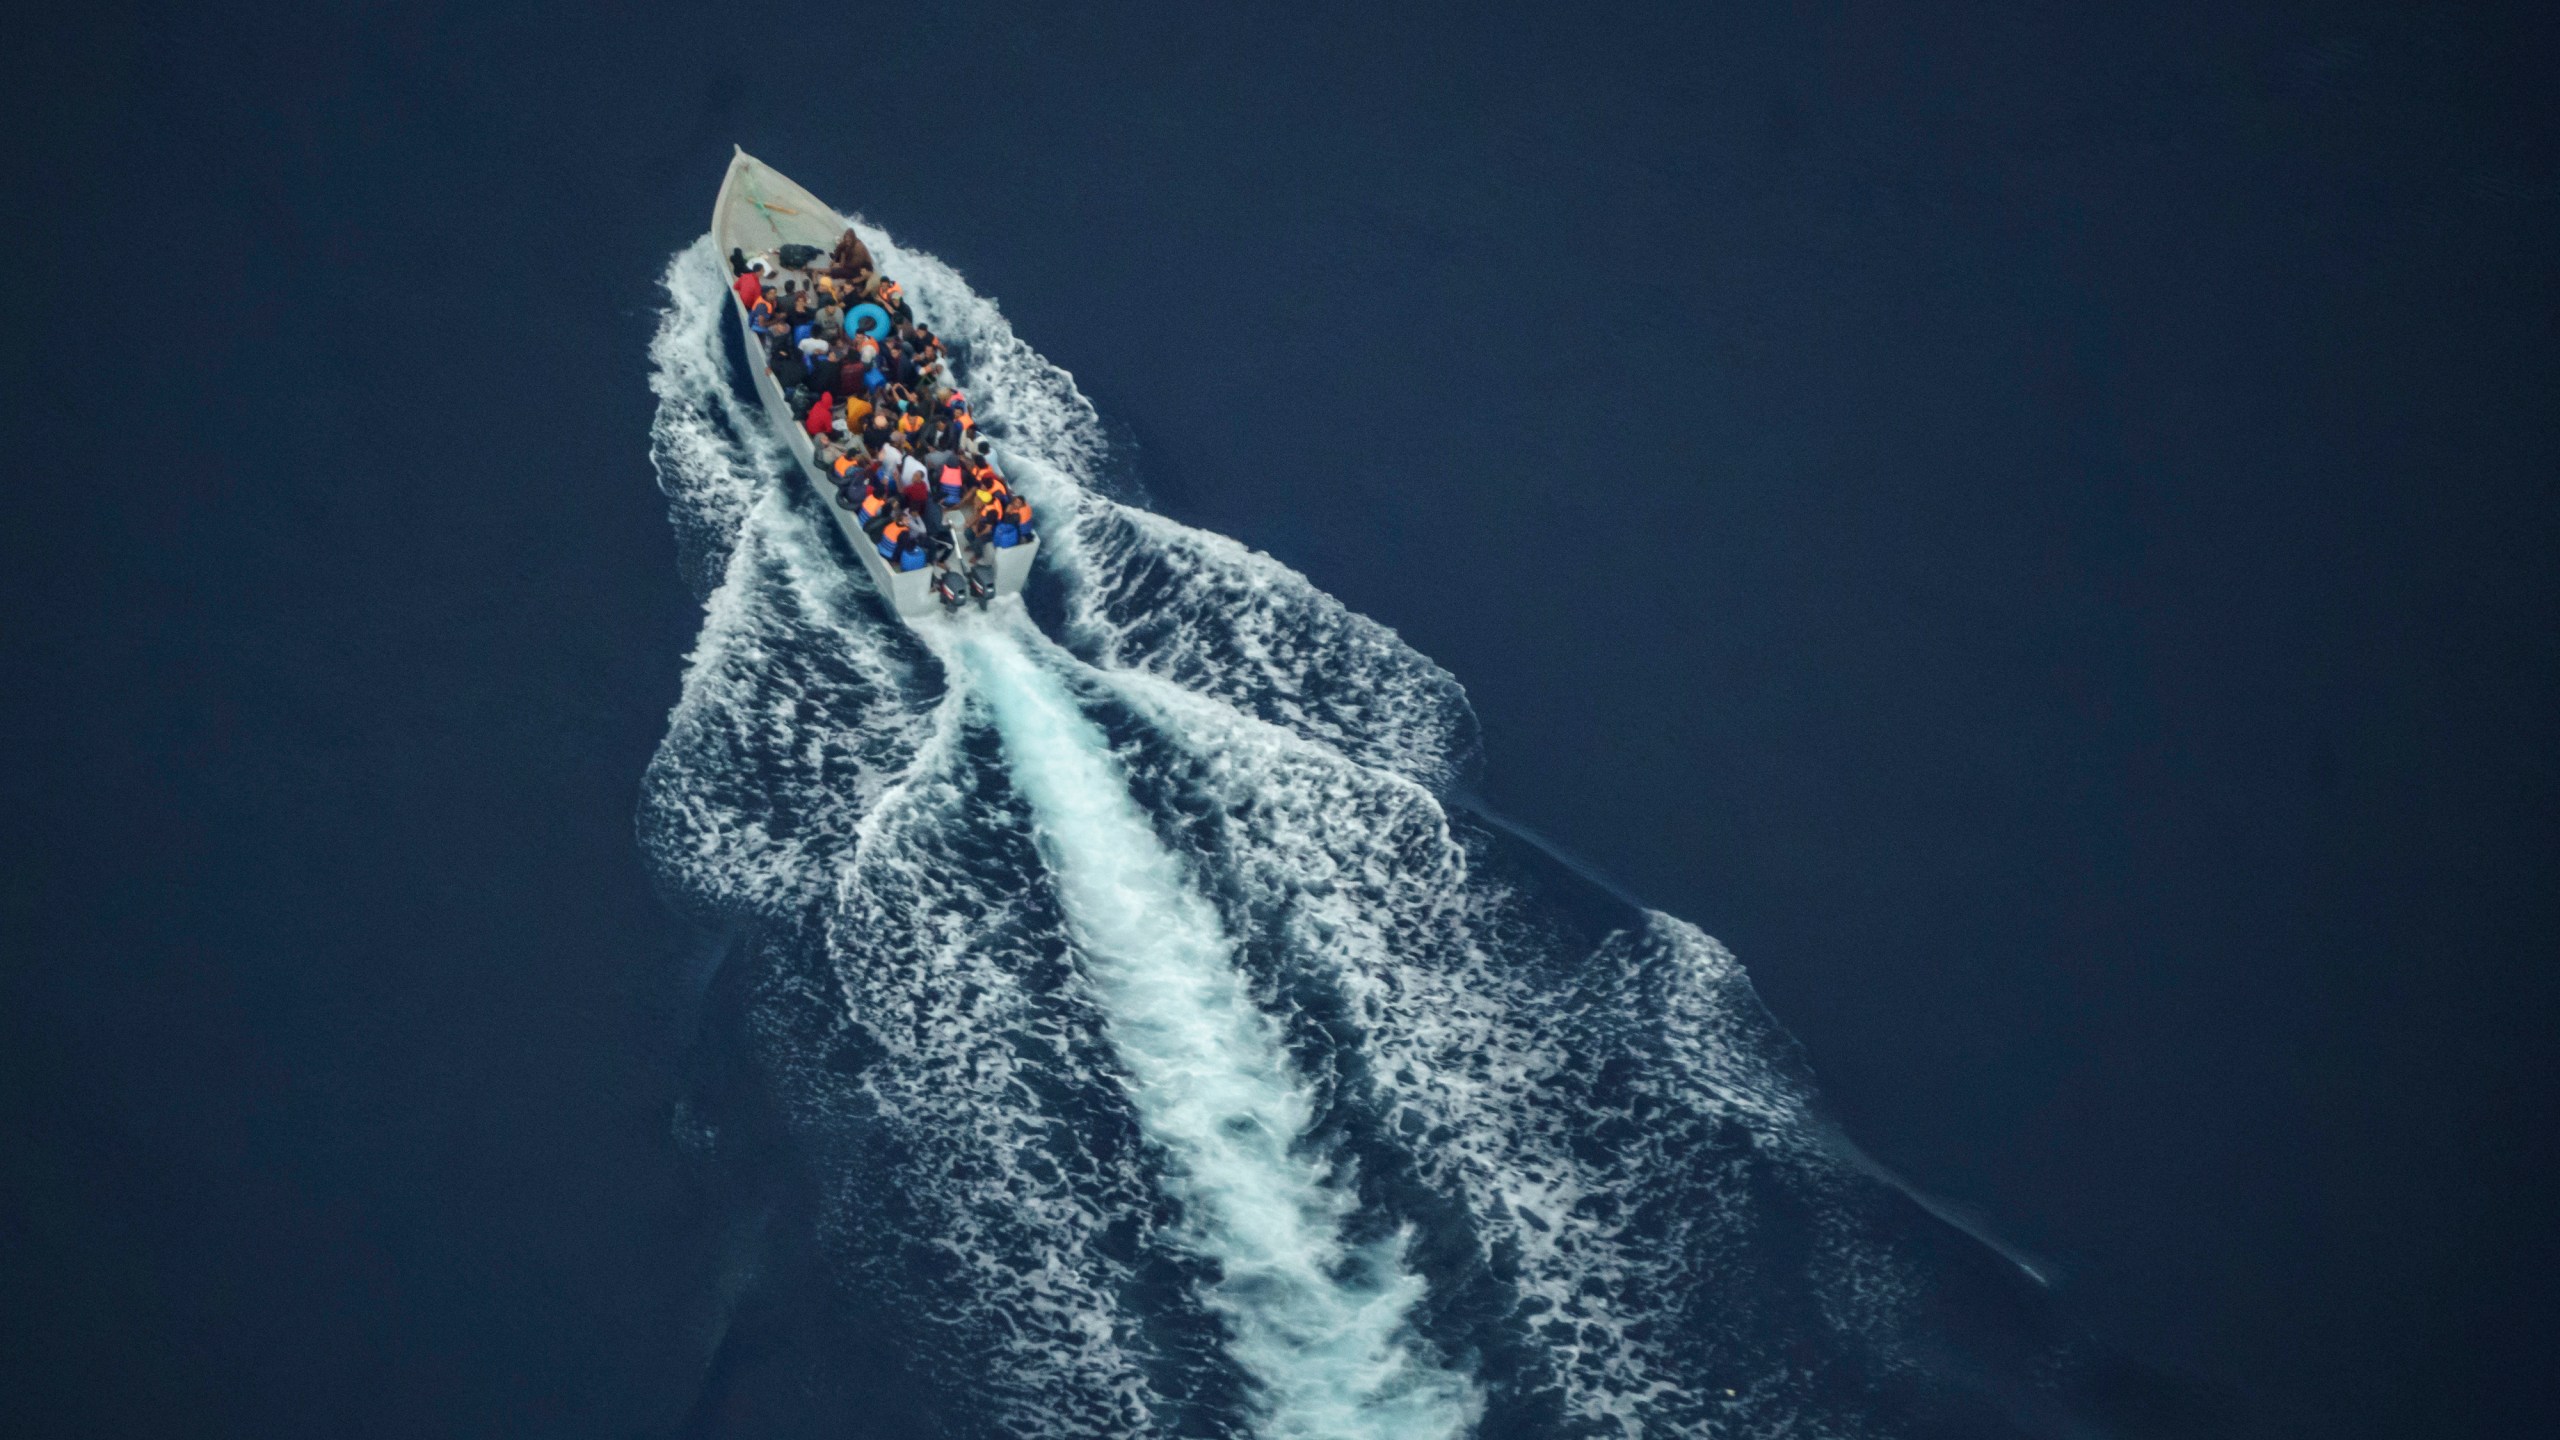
(1176, 1059)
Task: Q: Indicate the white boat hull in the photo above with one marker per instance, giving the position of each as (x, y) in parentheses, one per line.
(760, 209)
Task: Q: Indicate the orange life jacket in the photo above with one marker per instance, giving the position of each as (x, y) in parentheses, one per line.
(1019, 512)
(892, 532)
(872, 505)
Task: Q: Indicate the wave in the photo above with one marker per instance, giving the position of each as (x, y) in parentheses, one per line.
(1177, 1056)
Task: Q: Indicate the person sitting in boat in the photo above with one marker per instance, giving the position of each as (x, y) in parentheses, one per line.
(852, 258)
(915, 542)
(913, 485)
(837, 457)
(820, 418)
(950, 472)
(901, 546)
(879, 430)
(985, 506)
(829, 371)
(789, 370)
(878, 514)
(883, 482)
(813, 352)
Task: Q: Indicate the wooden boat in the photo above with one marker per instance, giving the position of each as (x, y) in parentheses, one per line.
(758, 212)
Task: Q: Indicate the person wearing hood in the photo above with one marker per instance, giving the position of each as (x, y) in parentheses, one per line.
(821, 419)
(852, 259)
(789, 370)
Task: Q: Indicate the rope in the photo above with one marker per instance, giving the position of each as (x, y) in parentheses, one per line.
(767, 211)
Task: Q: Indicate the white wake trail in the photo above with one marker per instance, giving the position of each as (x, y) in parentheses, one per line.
(1320, 1326)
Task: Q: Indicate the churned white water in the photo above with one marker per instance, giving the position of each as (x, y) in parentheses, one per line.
(1039, 1006)
(1320, 1327)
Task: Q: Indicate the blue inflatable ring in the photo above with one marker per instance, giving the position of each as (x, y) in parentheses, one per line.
(860, 316)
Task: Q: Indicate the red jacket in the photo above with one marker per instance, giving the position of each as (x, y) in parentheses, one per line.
(822, 415)
(750, 289)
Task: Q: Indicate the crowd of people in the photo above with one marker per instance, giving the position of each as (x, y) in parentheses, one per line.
(873, 389)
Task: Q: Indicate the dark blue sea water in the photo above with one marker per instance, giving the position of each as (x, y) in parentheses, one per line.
(1172, 1055)
(2032, 529)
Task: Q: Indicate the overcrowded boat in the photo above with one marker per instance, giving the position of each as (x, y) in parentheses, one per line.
(863, 395)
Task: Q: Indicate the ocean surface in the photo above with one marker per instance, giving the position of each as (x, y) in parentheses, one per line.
(1172, 1052)
(2033, 527)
